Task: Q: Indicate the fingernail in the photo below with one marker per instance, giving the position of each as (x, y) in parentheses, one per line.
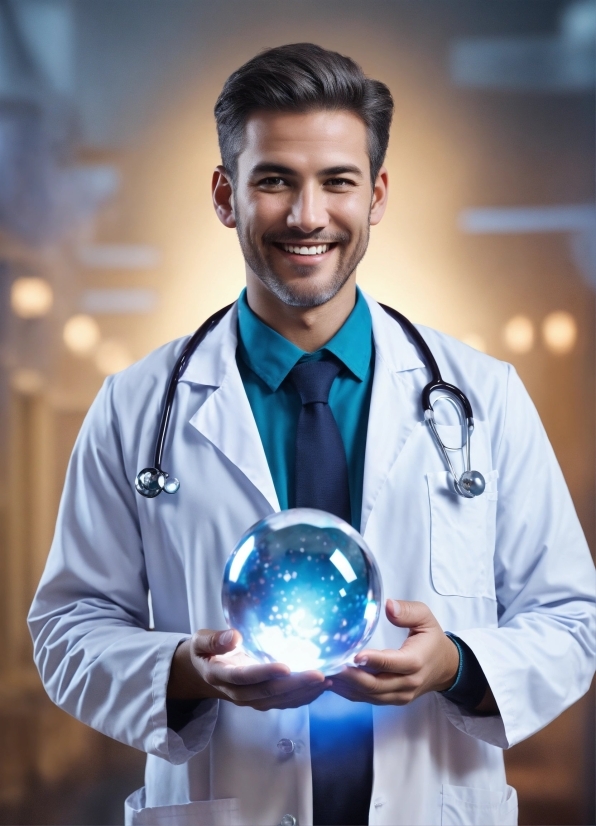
(394, 607)
(226, 637)
(362, 661)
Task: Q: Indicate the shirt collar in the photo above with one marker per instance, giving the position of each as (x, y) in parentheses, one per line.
(271, 356)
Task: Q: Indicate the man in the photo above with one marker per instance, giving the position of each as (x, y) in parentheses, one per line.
(413, 732)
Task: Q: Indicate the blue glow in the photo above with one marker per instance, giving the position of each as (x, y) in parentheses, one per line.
(303, 589)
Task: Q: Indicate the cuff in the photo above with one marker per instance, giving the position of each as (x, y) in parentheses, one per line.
(178, 746)
(470, 683)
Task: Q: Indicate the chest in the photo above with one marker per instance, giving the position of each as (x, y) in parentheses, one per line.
(431, 544)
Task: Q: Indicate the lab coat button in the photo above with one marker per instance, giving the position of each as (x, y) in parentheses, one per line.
(286, 747)
(288, 820)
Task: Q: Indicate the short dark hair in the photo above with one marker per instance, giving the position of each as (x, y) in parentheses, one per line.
(301, 77)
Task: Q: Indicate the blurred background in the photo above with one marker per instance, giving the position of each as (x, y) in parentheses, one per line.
(109, 247)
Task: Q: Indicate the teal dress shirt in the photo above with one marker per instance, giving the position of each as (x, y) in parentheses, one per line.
(265, 359)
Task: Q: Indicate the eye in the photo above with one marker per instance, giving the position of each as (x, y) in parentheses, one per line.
(339, 183)
(273, 182)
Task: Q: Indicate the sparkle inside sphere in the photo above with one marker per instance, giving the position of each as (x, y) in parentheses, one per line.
(303, 589)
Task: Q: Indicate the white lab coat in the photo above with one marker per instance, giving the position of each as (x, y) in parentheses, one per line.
(509, 572)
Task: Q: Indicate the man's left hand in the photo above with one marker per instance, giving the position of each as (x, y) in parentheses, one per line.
(427, 661)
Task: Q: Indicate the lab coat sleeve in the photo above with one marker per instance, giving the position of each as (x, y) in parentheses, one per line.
(541, 657)
(89, 621)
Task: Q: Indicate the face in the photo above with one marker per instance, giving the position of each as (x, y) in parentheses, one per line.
(303, 202)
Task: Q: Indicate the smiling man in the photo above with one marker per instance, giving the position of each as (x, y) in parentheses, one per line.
(308, 393)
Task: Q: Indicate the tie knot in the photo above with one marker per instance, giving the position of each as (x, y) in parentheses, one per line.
(313, 380)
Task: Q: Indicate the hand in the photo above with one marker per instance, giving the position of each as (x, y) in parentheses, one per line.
(427, 661)
(212, 664)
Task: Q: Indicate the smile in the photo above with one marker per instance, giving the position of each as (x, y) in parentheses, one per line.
(319, 249)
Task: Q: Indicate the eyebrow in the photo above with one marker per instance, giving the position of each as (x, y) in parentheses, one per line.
(278, 169)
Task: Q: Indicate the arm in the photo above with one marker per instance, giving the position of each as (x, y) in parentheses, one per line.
(90, 618)
(429, 660)
(540, 658)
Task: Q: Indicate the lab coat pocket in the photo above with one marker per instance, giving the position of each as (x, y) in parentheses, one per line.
(462, 537)
(196, 813)
(465, 806)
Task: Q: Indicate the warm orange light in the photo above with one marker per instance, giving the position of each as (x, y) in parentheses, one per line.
(112, 356)
(518, 334)
(559, 331)
(31, 297)
(81, 334)
(476, 341)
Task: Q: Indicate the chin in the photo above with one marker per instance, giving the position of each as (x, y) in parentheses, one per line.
(306, 292)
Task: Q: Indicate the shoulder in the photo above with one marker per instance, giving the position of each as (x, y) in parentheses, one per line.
(132, 394)
(474, 372)
(144, 377)
(456, 358)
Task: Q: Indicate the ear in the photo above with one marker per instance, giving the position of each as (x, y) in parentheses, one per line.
(379, 197)
(223, 197)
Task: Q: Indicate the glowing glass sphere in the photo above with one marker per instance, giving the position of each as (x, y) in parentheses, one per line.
(303, 589)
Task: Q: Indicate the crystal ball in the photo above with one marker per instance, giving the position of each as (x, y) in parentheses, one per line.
(303, 589)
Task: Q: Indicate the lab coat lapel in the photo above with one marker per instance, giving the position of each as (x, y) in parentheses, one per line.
(226, 418)
(395, 404)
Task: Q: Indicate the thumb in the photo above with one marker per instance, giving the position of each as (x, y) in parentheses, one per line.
(409, 614)
(215, 642)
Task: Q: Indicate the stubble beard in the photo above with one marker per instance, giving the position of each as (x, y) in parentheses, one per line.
(304, 294)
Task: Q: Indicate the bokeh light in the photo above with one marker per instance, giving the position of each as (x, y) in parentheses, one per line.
(26, 381)
(559, 332)
(112, 356)
(518, 334)
(31, 297)
(303, 589)
(81, 334)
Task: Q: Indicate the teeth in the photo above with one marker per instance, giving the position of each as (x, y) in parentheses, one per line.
(307, 250)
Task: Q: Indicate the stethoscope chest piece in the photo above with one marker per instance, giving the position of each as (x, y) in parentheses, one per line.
(472, 481)
(150, 482)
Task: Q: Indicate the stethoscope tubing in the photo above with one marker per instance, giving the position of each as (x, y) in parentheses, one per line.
(152, 480)
(436, 383)
(175, 377)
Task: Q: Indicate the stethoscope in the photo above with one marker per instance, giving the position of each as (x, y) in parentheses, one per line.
(151, 481)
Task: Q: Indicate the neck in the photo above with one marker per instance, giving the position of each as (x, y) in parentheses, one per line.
(309, 328)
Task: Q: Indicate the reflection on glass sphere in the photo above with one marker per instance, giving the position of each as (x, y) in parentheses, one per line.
(303, 589)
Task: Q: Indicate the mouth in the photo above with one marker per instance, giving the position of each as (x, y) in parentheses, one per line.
(305, 251)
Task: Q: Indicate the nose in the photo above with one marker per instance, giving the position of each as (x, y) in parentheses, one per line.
(308, 212)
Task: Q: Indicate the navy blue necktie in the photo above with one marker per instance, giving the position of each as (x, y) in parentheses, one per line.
(341, 735)
(321, 465)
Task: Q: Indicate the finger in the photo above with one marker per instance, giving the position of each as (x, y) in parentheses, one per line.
(356, 695)
(294, 699)
(356, 679)
(409, 614)
(390, 660)
(221, 672)
(277, 687)
(207, 642)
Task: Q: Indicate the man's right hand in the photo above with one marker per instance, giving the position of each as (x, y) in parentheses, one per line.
(211, 665)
